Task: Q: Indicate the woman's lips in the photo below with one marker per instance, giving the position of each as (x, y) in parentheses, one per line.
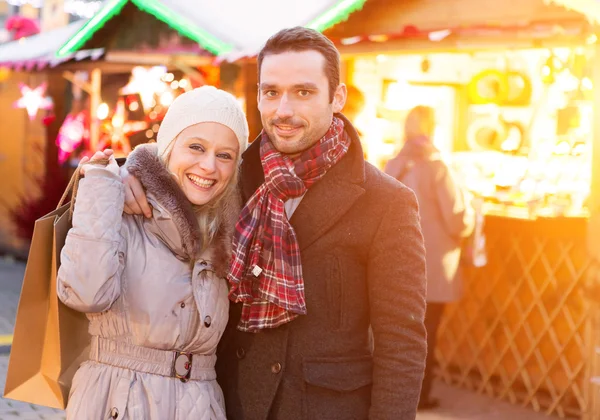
(202, 183)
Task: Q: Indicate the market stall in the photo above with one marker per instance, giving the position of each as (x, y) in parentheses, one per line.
(515, 93)
(112, 89)
(107, 81)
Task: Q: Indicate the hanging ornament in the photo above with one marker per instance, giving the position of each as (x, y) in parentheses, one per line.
(146, 82)
(21, 27)
(72, 133)
(33, 99)
(49, 119)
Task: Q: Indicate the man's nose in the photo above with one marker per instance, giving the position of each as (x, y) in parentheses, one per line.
(284, 109)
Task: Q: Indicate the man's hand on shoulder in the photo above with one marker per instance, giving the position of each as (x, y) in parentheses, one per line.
(135, 196)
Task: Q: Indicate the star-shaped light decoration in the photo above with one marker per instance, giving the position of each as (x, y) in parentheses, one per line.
(33, 99)
(146, 82)
(118, 129)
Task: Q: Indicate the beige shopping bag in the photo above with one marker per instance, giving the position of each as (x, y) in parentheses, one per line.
(50, 340)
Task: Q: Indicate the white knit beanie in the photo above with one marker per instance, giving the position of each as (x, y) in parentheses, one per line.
(204, 104)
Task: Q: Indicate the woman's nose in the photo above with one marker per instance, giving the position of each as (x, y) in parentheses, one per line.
(208, 163)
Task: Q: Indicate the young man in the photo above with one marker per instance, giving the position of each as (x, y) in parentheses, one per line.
(326, 247)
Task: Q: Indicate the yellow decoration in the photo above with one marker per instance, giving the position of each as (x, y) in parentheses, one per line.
(500, 88)
(4, 73)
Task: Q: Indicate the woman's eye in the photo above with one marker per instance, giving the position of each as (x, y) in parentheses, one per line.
(197, 147)
(224, 156)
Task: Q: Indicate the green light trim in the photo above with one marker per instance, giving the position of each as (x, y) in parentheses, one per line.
(156, 9)
(338, 13)
(112, 8)
(182, 25)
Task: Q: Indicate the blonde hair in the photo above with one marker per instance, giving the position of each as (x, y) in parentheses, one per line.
(420, 121)
(210, 215)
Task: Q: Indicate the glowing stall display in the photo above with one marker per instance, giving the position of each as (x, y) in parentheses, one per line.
(147, 82)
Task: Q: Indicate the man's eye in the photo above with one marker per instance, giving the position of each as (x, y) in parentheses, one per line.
(303, 93)
(270, 93)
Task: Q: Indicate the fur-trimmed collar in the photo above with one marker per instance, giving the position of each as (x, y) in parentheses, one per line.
(162, 188)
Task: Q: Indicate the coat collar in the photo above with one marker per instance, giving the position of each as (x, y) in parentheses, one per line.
(326, 201)
(174, 220)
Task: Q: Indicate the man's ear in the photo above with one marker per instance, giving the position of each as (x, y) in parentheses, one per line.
(339, 98)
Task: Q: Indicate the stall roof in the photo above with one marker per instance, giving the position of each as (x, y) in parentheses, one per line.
(39, 51)
(589, 8)
(224, 26)
(379, 18)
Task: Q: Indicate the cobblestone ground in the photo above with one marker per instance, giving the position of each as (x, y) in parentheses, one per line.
(457, 404)
(12, 410)
(11, 276)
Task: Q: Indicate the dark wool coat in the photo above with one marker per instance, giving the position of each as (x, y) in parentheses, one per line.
(363, 262)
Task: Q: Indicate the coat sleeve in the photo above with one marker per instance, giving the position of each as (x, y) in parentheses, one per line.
(397, 284)
(458, 216)
(92, 260)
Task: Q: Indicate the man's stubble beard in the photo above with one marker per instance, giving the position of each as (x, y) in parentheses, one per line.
(301, 145)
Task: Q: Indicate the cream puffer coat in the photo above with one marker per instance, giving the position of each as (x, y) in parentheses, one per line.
(147, 297)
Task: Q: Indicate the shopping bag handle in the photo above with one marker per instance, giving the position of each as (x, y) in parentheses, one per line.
(74, 185)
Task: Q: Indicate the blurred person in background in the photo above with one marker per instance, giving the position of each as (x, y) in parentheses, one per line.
(446, 219)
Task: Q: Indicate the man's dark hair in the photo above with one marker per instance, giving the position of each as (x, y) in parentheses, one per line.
(303, 39)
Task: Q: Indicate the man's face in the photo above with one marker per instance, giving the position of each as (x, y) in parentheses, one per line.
(293, 100)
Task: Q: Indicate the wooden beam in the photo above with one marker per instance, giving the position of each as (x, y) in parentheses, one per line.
(250, 84)
(89, 66)
(594, 201)
(190, 71)
(155, 59)
(86, 87)
(591, 387)
(56, 89)
(96, 90)
(424, 46)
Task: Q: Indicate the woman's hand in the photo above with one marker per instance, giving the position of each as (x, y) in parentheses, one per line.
(101, 157)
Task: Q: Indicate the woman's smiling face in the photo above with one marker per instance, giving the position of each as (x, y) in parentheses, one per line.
(203, 159)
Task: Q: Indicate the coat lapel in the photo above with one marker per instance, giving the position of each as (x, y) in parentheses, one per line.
(326, 202)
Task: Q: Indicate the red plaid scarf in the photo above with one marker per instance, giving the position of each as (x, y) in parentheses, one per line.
(266, 271)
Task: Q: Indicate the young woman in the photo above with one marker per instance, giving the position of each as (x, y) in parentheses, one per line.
(154, 288)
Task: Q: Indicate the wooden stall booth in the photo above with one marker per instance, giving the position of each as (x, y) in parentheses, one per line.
(111, 78)
(515, 89)
(99, 83)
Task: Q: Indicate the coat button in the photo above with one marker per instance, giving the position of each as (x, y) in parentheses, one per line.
(207, 321)
(114, 413)
(182, 304)
(240, 353)
(276, 368)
